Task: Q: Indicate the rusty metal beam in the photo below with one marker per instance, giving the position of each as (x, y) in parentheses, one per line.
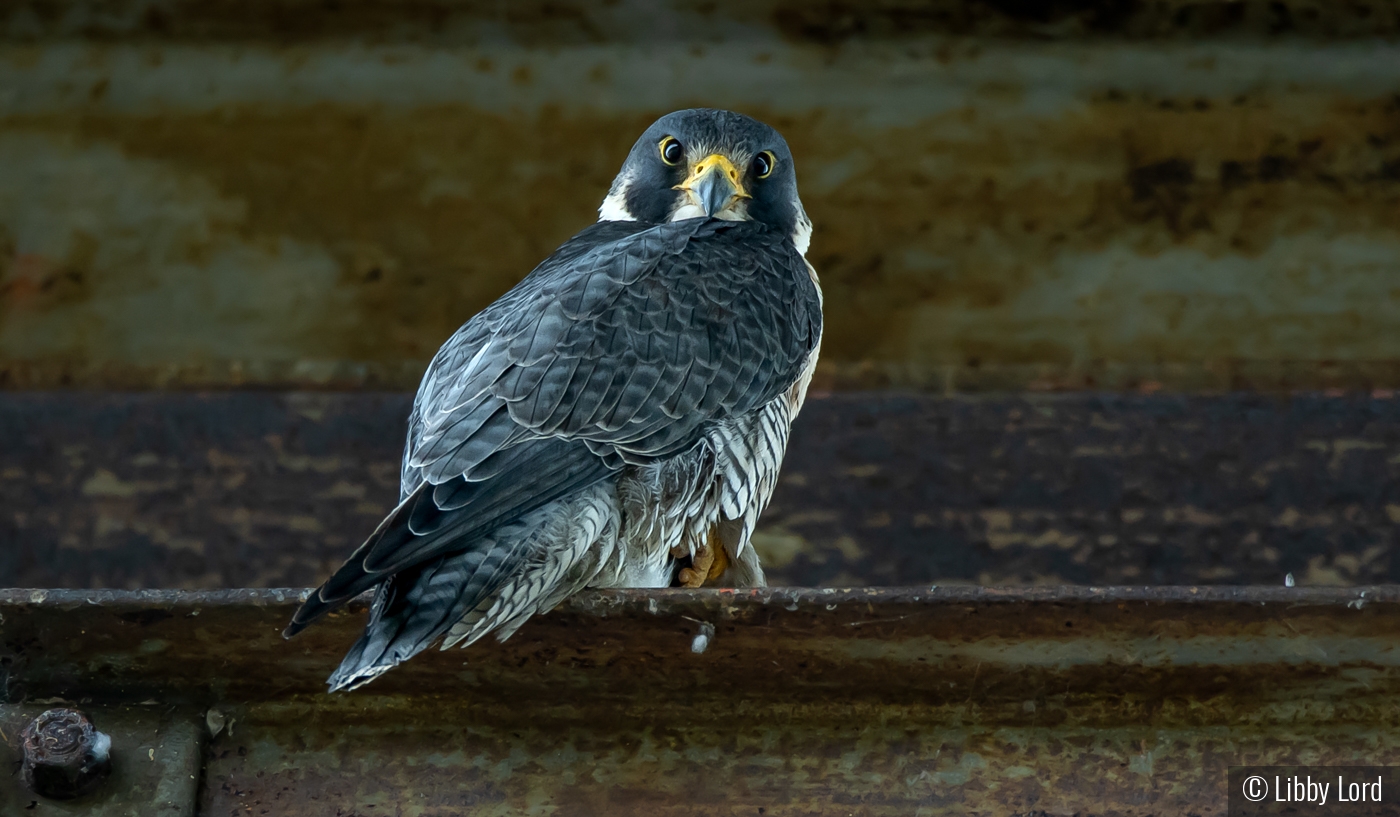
(1113, 701)
(257, 489)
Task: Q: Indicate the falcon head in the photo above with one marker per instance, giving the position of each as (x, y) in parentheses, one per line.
(706, 163)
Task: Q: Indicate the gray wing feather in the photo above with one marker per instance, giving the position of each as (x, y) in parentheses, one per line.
(622, 348)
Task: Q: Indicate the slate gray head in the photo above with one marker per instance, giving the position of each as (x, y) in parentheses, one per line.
(706, 163)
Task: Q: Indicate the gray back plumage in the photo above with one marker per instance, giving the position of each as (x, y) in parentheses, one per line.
(629, 339)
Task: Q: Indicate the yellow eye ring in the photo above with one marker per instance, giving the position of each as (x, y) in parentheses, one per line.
(763, 164)
(671, 151)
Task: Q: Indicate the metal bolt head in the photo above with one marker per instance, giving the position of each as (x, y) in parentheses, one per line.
(64, 755)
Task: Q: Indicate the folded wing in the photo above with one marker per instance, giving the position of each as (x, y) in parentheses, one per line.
(618, 350)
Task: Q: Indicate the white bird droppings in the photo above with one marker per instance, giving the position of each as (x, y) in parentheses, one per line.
(701, 642)
(101, 747)
(215, 720)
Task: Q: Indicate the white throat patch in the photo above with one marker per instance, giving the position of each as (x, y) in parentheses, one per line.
(614, 206)
(802, 234)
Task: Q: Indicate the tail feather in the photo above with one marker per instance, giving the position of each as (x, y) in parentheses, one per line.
(416, 606)
(420, 530)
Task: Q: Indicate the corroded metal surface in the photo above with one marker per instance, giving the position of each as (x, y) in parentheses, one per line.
(1088, 701)
(1007, 194)
(64, 755)
(264, 489)
(156, 748)
(1091, 489)
(233, 490)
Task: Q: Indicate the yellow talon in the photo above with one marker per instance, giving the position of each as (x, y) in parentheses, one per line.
(708, 564)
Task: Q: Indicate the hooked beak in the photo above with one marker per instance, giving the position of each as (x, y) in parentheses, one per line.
(714, 185)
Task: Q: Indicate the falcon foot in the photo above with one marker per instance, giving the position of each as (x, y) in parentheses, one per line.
(708, 564)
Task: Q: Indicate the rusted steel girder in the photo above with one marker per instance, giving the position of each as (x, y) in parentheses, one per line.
(1113, 701)
(257, 489)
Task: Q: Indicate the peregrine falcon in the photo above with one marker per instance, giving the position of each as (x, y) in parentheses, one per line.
(618, 419)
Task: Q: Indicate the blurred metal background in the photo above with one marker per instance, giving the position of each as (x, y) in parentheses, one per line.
(1106, 196)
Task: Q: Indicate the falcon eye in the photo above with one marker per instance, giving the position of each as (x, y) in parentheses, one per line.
(763, 164)
(671, 151)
